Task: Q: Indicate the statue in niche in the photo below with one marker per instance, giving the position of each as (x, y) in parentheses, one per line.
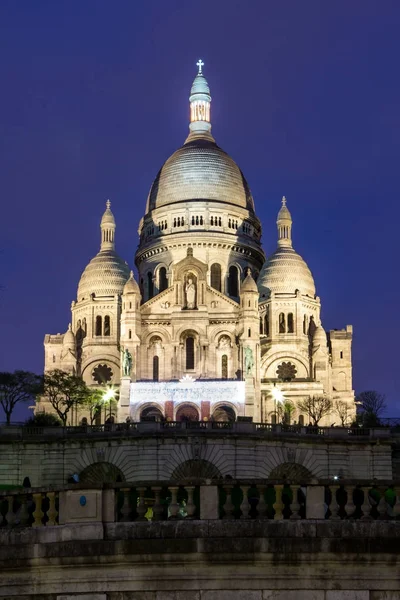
(224, 342)
(127, 363)
(190, 293)
(248, 360)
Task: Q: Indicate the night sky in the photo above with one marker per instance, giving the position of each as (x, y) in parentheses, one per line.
(306, 96)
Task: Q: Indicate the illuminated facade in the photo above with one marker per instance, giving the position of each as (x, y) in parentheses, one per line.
(210, 329)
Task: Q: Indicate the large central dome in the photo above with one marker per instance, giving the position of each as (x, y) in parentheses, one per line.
(200, 170)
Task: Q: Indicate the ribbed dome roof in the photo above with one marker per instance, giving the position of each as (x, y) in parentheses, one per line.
(105, 275)
(200, 170)
(285, 272)
(131, 286)
(248, 285)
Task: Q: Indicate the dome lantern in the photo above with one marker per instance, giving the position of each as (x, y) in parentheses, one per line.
(284, 223)
(107, 227)
(200, 105)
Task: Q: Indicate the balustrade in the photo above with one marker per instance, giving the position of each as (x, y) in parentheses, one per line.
(235, 500)
(28, 508)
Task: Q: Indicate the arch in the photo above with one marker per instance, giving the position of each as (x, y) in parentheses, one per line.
(162, 279)
(156, 368)
(107, 326)
(290, 323)
(270, 364)
(216, 276)
(151, 413)
(99, 325)
(233, 281)
(189, 348)
(196, 469)
(340, 381)
(101, 472)
(187, 412)
(293, 472)
(162, 332)
(282, 323)
(224, 413)
(150, 285)
(224, 366)
(301, 419)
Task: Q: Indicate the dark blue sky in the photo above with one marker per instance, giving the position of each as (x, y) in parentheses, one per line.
(306, 96)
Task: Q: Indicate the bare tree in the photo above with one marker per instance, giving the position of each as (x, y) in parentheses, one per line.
(64, 391)
(316, 407)
(17, 387)
(372, 405)
(343, 411)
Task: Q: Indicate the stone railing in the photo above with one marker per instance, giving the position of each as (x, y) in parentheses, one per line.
(12, 433)
(227, 500)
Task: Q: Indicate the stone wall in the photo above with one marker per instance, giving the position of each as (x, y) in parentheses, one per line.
(203, 560)
(50, 460)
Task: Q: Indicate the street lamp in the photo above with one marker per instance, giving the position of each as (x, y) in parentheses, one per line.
(278, 396)
(108, 395)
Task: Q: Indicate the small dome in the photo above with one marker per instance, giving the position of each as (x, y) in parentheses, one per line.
(285, 272)
(284, 212)
(105, 275)
(108, 217)
(200, 86)
(248, 285)
(319, 337)
(69, 338)
(200, 170)
(131, 286)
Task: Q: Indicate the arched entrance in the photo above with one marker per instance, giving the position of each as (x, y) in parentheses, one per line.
(151, 413)
(224, 413)
(101, 472)
(187, 413)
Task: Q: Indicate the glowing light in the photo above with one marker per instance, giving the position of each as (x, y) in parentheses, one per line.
(200, 64)
(277, 394)
(108, 395)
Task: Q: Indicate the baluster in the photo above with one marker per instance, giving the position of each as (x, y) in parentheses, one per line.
(52, 511)
(174, 506)
(228, 506)
(382, 508)
(10, 516)
(142, 508)
(366, 506)
(157, 506)
(349, 506)
(38, 513)
(295, 506)
(396, 507)
(334, 506)
(262, 507)
(126, 506)
(278, 506)
(23, 513)
(190, 505)
(245, 504)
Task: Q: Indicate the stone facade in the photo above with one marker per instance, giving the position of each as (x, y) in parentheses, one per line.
(51, 457)
(196, 312)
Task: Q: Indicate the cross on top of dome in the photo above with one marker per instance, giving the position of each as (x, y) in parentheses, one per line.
(200, 64)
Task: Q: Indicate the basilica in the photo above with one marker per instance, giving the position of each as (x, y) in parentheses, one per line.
(211, 328)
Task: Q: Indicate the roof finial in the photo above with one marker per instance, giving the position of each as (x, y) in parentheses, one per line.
(200, 64)
(108, 204)
(200, 105)
(284, 223)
